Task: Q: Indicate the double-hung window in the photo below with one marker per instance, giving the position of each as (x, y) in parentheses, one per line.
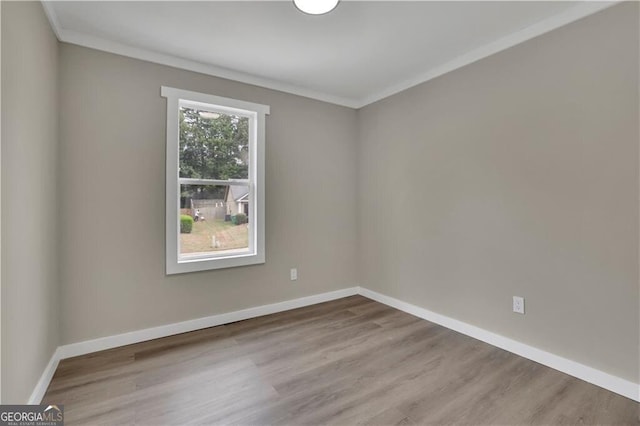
(214, 182)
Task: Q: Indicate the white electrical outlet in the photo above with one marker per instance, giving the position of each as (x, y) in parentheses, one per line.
(518, 305)
(294, 274)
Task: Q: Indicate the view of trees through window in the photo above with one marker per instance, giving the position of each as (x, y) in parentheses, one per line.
(213, 146)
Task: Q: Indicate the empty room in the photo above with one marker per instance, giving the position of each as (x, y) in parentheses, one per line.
(320, 212)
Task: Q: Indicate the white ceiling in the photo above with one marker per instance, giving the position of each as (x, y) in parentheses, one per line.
(359, 53)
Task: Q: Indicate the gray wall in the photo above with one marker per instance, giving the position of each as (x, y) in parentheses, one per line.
(113, 123)
(30, 291)
(516, 175)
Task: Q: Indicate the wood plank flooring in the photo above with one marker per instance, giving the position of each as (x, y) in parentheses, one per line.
(346, 362)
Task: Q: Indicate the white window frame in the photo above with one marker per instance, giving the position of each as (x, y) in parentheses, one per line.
(256, 113)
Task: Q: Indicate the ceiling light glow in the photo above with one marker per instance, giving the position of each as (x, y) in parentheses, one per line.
(316, 7)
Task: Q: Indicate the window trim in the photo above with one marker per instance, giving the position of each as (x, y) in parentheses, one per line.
(252, 110)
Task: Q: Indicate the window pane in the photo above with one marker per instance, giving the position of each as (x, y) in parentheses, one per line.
(213, 145)
(219, 216)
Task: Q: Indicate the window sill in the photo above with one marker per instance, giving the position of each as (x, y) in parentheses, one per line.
(204, 264)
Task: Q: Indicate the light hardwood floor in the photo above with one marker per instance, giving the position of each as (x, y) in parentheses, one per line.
(350, 361)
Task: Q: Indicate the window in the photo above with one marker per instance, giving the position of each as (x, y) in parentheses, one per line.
(215, 182)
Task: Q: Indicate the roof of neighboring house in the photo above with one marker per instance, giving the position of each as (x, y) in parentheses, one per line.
(238, 192)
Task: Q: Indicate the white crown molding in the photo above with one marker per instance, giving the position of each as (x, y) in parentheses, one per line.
(583, 372)
(575, 13)
(578, 12)
(117, 48)
(189, 65)
(52, 17)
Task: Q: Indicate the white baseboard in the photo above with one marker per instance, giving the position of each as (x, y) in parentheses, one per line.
(109, 342)
(599, 378)
(89, 346)
(45, 379)
(588, 374)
